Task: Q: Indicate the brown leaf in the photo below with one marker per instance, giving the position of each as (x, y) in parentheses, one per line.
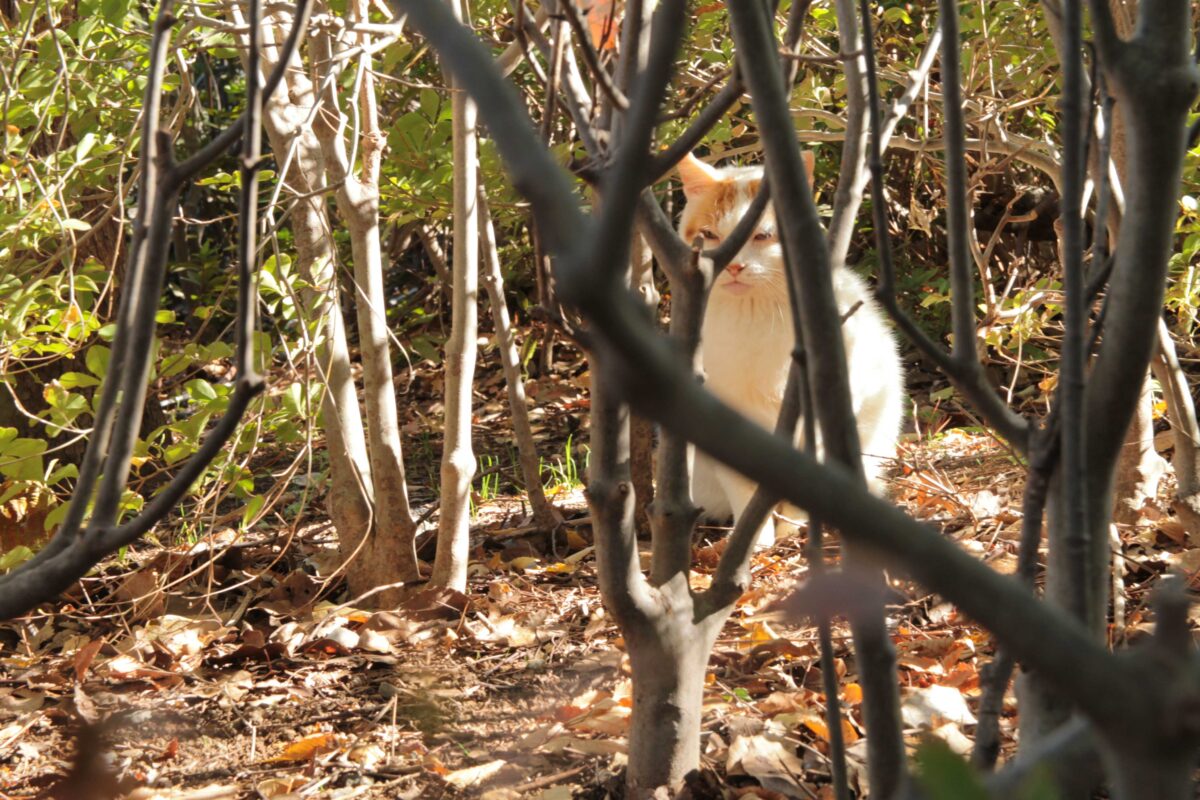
(142, 590)
(433, 604)
(170, 752)
(84, 657)
(85, 707)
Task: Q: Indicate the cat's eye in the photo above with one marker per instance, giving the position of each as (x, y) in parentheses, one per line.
(706, 233)
(764, 236)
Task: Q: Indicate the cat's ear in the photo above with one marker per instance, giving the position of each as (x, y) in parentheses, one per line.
(697, 176)
(810, 162)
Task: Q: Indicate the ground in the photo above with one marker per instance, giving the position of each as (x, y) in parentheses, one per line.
(218, 669)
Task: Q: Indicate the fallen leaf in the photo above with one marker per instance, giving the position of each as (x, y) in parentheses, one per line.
(308, 748)
(473, 776)
(768, 761)
(933, 706)
(368, 756)
(84, 657)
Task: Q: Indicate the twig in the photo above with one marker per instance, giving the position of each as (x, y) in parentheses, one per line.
(590, 56)
(76, 548)
(966, 374)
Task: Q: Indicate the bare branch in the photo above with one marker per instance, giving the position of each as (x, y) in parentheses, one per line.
(189, 168)
(75, 548)
(590, 56)
(709, 116)
(810, 276)
(847, 196)
(1072, 423)
(732, 576)
(966, 376)
(962, 285)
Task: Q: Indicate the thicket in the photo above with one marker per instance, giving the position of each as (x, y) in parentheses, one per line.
(366, 98)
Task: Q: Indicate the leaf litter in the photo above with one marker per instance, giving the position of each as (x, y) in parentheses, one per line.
(224, 670)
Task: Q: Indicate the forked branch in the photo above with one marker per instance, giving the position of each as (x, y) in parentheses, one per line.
(77, 546)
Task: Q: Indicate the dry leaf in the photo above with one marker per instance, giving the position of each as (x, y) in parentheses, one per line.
(308, 748)
(768, 761)
(281, 788)
(934, 706)
(84, 657)
(473, 776)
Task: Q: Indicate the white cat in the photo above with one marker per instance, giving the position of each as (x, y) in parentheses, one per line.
(747, 338)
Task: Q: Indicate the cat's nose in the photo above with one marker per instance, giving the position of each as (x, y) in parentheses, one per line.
(734, 269)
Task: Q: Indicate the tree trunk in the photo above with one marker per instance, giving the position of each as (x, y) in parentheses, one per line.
(544, 514)
(458, 459)
(668, 695)
(298, 153)
(389, 554)
(1139, 467)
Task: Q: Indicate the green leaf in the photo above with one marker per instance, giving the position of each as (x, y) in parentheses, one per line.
(292, 400)
(945, 775)
(21, 459)
(86, 143)
(55, 517)
(201, 389)
(253, 506)
(75, 380)
(76, 225)
(178, 452)
(15, 557)
(62, 473)
(97, 360)
(114, 11)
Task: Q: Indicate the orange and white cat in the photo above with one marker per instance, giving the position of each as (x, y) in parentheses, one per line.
(747, 339)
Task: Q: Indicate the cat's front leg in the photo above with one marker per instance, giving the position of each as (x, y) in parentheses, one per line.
(739, 490)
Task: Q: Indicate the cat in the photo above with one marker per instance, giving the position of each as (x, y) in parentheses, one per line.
(747, 337)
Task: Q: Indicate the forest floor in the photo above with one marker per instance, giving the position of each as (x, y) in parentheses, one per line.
(220, 668)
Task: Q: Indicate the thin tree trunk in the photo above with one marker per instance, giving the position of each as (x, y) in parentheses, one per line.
(544, 514)
(667, 702)
(390, 554)
(458, 459)
(1139, 467)
(286, 119)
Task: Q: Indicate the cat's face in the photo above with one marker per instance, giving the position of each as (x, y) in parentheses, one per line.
(716, 200)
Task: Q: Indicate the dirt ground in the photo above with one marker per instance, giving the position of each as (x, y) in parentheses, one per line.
(219, 668)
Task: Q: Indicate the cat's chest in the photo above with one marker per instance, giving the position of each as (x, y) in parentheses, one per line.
(746, 354)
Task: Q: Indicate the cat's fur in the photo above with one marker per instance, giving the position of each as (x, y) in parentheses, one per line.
(747, 338)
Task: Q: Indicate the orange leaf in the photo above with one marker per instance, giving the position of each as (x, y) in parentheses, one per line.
(853, 693)
(818, 727)
(308, 748)
(603, 19)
